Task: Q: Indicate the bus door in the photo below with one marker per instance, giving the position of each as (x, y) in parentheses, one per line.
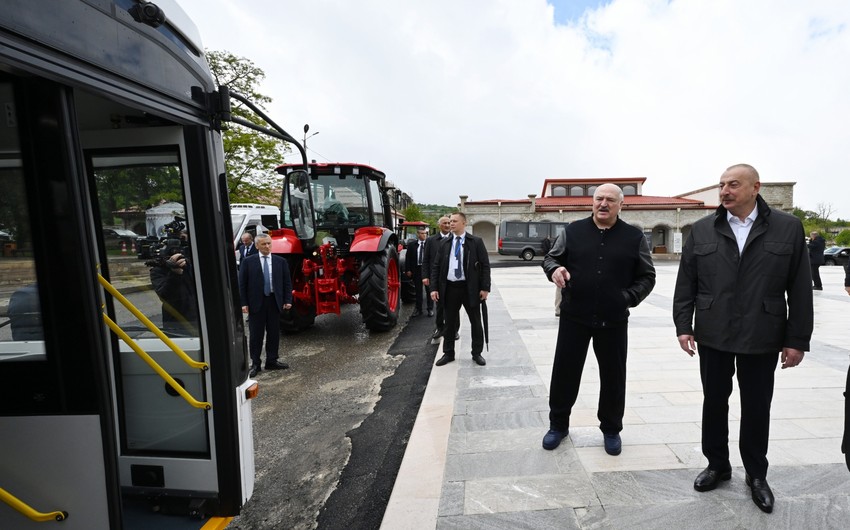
(183, 448)
(163, 434)
(108, 402)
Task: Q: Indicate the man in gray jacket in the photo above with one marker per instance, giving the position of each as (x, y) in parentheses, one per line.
(744, 278)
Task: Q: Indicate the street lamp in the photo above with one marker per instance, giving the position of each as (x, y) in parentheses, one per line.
(307, 128)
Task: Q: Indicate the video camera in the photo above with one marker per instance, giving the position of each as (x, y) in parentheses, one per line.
(170, 244)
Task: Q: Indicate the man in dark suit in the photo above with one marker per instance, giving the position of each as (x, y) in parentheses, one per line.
(460, 276)
(245, 247)
(413, 269)
(744, 294)
(432, 246)
(266, 289)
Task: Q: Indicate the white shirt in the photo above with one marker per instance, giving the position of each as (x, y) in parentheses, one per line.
(456, 262)
(741, 229)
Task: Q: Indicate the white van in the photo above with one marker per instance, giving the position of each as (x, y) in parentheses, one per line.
(248, 217)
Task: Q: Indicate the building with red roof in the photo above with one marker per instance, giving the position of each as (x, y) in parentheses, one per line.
(666, 221)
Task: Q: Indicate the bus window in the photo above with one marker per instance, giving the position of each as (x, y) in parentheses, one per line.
(21, 332)
(164, 287)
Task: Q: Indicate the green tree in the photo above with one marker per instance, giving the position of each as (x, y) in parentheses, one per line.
(413, 213)
(249, 156)
(843, 238)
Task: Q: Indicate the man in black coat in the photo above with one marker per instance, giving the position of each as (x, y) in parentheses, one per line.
(266, 289)
(817, 245)
(432, 246)
(173, 280)
(460, 277)
(413, 269)
(245, 247)
(744, 294)
(603, 267)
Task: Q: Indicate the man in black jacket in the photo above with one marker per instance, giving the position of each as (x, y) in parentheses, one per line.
(603, 267)
(413, 269)
(432, 245)
(738, 267)
(460, 277)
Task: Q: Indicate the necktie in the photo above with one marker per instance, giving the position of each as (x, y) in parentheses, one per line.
(458, 270)
(267, 284)
(419, 255)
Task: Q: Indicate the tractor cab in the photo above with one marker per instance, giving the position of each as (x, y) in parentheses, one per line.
(332, 202)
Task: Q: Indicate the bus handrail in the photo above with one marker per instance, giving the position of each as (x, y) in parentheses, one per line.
(153, 364)
(30, 512)
(150, 325)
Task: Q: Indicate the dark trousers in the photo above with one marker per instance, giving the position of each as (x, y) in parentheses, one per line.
(610, 346)
(457, 296)
(266, 322)
(816, 277)
(755, 380)
(423, 294)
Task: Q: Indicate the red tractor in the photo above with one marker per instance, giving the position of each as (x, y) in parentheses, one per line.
(338, 240)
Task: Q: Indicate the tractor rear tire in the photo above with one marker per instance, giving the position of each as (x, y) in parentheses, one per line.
(379, 287)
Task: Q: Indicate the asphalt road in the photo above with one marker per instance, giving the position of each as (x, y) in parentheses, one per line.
(330, 432)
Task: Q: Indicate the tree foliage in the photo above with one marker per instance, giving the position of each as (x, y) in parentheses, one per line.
(843, 238)
(249, 156)
(413, 213)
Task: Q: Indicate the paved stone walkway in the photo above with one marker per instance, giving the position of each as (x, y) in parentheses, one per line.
(474, 459)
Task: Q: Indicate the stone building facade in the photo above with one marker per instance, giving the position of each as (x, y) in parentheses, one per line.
(567, 200)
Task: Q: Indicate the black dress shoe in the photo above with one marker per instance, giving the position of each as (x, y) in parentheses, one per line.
(479, 360)
(416, 313)
(252, 373)
(277, 364)
(457, 336)
(430, 312)
(762, 495)
(710, 478)
(445, 359)
(437, 334)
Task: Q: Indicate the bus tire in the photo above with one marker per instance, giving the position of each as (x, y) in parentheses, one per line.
(379, 288)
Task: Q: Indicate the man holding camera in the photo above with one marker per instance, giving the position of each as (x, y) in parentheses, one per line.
(173, 280)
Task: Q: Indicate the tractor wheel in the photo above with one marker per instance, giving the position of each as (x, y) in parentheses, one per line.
(408, 291)
(379, 288)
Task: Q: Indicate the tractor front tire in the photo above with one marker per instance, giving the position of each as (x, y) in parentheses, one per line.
(379, 286)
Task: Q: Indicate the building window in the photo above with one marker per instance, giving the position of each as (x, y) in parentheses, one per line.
(559, 191)
(591, 190)
(576, 191)
(629, 189)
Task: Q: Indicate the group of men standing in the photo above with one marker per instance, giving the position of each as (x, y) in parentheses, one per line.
(450, 270)
(742, 303)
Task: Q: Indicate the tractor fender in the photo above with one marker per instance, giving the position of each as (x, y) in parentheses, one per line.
(372, 239)
(285, 241)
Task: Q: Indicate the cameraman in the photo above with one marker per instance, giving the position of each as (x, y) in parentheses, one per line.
(173, 279)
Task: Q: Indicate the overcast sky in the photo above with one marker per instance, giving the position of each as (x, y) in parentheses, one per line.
(488, 98)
